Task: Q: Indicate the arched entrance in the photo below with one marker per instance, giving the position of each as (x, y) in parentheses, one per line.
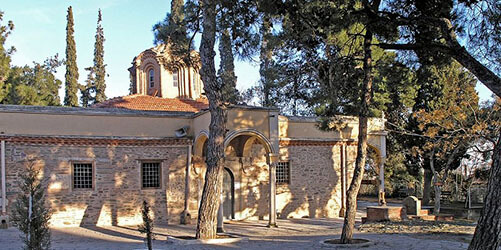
(242, 149)
(228, 194)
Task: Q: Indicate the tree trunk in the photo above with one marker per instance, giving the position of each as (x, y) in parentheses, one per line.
(438, 192)
(207, 213)
(458, 52)
(358, 172)
(149, 243)
(435, 181)
(428, 175)
(488, 231)
(265, 58)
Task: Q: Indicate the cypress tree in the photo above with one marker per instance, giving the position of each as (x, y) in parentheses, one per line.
(226, 71)
(265, 61)
(30, 214)
(99, 66)
(147, 226)
(71, 77)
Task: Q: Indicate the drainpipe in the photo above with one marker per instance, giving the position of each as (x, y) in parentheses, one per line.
(4, 193)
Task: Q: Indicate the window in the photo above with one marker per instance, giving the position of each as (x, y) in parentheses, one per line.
(195, 83)
(175, 79)
(151, 74)
(150, 174)
(283, 172)
(82, 175)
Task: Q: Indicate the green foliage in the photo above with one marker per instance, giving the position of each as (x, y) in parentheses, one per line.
(99, 65)
(94, 89)
(226, 72)
(456, 118)
(173, 32)
(30, 214)
(35, 85)
(71, 76)
(5, 54)
(147, 226)
(89, 89)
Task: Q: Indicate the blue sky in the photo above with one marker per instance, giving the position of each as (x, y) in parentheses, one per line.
(40, 31)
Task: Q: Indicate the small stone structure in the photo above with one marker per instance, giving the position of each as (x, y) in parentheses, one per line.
(385, 213)
(412, 205)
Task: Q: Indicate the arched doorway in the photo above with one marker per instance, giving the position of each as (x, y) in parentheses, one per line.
(228, 194)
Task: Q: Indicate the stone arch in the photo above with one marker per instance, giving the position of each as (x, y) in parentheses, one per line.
(377, 151)
(200, 143)
(228, 194)
(252, 136)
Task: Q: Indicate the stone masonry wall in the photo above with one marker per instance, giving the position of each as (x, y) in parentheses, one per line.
(117, 194)
(315, 181)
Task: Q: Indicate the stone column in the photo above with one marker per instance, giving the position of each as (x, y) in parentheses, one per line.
(220, 227)
(4, 193)
(343, 164)
(381, 199)
(272, 161)
(185, 216)
(382, 159)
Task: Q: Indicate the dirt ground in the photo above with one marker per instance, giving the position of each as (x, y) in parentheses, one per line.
(291, 234)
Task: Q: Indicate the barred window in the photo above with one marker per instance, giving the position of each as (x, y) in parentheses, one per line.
(150, 174)
(82, 175)
(283, 172)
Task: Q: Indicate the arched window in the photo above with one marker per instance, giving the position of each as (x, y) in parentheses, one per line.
(195, 83)
(151, 79)
(175, 79)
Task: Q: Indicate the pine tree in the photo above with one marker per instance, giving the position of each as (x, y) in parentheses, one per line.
(30, 214)
(147, 226)
(99, 66)
(173, 31)
(71, 77)
(207, 213)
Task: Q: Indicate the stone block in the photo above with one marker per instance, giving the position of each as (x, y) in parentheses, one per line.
(412, 205)
(385, 213)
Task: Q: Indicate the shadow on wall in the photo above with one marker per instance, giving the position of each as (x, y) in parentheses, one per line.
(116, 196)
(315, 185)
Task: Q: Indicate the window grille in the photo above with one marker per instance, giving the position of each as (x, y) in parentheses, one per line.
(175, 79)
(152, 78)
(151, 175)
(82, 175)
(283, 172)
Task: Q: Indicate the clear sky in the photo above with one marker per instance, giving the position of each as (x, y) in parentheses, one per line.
(40, 32)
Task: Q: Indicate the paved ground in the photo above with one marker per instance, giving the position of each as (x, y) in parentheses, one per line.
(291, 234)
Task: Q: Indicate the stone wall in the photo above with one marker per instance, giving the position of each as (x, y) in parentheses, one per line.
(117, 194)
(314, 190)
(251, 185)
(315, 180)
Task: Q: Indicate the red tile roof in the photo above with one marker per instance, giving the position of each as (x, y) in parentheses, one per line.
(145, 102)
